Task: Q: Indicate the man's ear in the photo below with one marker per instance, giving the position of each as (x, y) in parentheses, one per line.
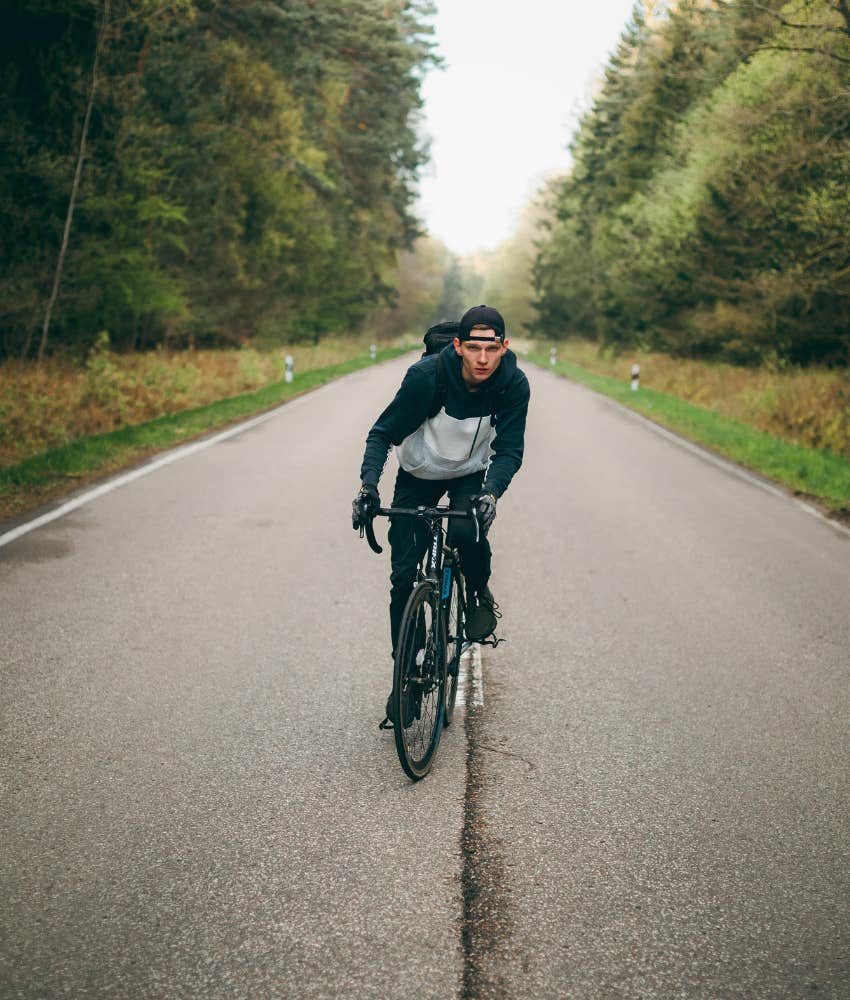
(505, 345)
(456, 342)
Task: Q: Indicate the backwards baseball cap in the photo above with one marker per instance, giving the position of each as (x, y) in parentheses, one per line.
(481, 316)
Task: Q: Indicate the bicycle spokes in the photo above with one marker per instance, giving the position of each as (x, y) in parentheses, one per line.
(419, 681)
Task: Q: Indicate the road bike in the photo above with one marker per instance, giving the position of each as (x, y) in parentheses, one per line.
(431, 640)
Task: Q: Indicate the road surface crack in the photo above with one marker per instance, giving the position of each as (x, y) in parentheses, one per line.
(509, 753)
(486, 927)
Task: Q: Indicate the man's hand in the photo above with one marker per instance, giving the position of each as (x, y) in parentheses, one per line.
(485, 505)
(364, 506)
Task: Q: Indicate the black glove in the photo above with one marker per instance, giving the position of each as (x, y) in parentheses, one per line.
(364, 506)
(485, 506)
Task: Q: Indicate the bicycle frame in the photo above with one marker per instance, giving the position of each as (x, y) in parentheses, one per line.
(434, 563)
(450, 566)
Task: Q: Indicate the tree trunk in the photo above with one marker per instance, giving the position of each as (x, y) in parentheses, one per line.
(77, 174)
(32, 326)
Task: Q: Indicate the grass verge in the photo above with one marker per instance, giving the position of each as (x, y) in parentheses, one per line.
(815, 475)
(53, 473)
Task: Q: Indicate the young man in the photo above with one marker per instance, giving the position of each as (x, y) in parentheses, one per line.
(460, 432)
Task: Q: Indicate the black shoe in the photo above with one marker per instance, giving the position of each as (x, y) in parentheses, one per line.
(410, 708)
(483, 616)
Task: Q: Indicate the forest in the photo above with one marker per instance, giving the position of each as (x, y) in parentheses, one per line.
(707, 210)
(204, 173)
(194, 173)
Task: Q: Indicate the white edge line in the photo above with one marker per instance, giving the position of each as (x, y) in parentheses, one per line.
(704, 453)
(182, 451)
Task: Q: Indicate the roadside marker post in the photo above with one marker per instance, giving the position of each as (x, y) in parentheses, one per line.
(373, 352)
(290, 365)
(553, 356)
(635, 378)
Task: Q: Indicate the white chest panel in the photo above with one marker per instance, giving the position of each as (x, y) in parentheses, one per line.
(446, 448)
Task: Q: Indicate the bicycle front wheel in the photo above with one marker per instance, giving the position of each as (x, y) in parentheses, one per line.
(419, 680)
(454, 643)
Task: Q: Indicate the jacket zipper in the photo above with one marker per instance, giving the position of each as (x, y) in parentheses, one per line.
(477, 429)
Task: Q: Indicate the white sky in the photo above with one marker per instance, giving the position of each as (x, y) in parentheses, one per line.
(501, 112)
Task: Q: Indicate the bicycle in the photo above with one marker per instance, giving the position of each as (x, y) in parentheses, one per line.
(430, 642)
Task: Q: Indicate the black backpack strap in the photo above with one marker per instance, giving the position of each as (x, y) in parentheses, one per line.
(441, 389)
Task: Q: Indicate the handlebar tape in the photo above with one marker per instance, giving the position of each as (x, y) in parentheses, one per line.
(370, 537)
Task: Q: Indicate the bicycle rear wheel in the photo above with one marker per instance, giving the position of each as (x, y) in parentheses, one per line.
(418, 681)
(454, 643)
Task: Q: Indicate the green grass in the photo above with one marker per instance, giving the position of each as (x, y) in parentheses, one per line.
(43, 476)
(817, 474)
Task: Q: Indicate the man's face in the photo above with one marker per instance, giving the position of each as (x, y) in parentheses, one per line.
(480, 357)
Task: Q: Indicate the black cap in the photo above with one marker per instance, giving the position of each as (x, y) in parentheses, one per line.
(481, 316)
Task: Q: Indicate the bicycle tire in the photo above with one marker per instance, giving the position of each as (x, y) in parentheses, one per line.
(454, 643)
(419, 678)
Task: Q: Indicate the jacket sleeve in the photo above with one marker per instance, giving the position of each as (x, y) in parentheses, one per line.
(405, 413)
(509, 442)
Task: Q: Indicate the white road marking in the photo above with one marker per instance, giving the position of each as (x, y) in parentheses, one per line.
(165, 459)
(471, 673)
(478, 676)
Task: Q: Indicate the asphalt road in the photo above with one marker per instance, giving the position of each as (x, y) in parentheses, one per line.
(653, 800)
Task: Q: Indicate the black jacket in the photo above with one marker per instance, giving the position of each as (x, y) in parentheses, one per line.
(470, 432)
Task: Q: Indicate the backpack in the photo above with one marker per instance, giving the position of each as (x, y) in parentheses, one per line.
(435, 339)
(438, 336)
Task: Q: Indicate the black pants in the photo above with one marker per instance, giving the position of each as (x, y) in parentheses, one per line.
(409, 537)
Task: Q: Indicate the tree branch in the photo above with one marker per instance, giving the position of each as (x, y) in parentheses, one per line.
(57, 278)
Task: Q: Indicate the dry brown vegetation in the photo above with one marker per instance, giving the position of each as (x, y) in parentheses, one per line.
(47, 407)
(805, 406)
(40, 409)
